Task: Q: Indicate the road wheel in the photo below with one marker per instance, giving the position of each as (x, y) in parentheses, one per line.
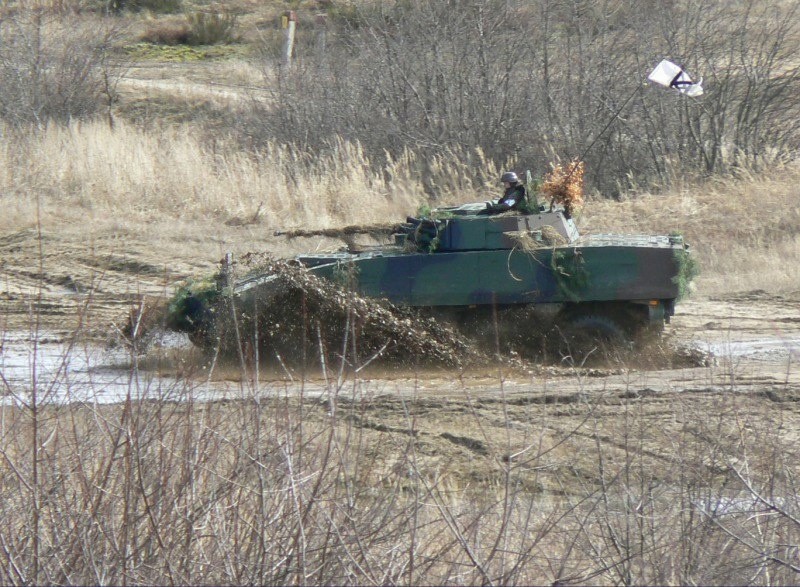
(592, 338)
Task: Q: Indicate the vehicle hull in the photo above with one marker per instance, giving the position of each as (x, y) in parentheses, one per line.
(636, 270)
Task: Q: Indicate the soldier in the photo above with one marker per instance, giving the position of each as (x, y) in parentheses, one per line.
(512, 197)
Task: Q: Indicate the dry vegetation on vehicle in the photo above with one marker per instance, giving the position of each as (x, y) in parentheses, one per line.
(302, 318)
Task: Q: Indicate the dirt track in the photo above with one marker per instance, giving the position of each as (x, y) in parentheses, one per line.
(465, 422)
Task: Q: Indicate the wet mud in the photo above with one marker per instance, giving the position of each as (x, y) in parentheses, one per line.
(751, 340)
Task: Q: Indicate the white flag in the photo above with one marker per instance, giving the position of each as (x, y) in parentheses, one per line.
(670, 75)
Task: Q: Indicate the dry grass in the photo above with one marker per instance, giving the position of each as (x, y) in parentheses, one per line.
(136, 175)
(363, 488)
(168, 186)
(145, 175)
(747, 267)
(744, 231)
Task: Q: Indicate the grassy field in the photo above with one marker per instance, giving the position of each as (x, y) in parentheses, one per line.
(564, 482)
(165, 183)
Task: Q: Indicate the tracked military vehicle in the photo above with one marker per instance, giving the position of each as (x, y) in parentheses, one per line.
(464, 264)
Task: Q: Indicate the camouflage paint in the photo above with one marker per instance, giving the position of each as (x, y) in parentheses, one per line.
(472, 260)
(510, 276)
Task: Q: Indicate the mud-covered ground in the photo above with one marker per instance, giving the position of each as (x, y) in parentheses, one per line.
(464, 419)
(62, 282)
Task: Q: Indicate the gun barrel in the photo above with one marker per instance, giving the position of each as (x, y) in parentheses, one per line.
(374, 229)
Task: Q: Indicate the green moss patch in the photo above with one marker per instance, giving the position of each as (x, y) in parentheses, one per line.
(182, 53)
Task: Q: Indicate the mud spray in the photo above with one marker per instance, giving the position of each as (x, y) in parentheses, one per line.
(305, 322)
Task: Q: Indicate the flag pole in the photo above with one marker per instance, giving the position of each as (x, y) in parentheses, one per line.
(605, 128)
(657, 75)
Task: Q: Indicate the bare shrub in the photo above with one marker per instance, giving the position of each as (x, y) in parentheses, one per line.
(211, 28)
(751, 79)
(403, 77)
(54, 67)
(542, 81)
(166, 32)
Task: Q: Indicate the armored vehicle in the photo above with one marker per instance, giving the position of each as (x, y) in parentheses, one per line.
(463, 263)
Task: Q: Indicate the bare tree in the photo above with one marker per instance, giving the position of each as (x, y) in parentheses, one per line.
(54, 67)
(752, 100)
(539, 81)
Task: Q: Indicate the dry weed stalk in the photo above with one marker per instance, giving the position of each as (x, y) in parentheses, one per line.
(349, 486)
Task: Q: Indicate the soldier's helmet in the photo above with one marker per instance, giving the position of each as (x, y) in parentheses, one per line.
(509, 176)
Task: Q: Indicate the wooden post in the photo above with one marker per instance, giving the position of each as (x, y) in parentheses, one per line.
(225, 278)
(289, 23)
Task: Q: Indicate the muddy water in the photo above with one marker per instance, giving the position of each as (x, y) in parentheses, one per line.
(749, 352)
(63, 371)
(775, 349)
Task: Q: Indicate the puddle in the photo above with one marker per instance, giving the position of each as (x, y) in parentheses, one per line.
(86, 372)
(89, 373)
(767, 349)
